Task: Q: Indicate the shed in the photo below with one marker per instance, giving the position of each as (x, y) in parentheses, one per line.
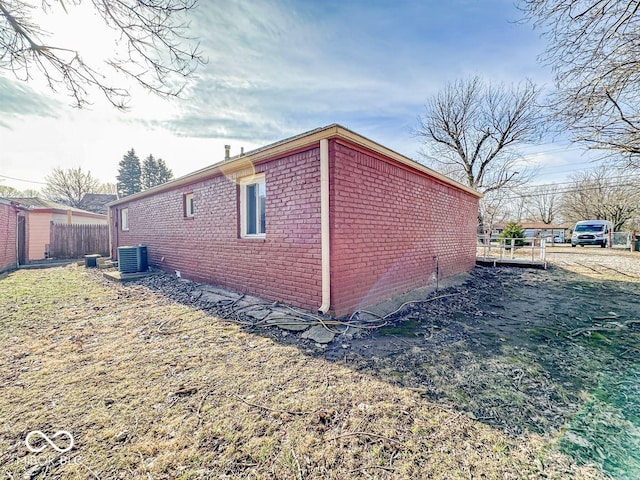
(42, 213)
(327, 220)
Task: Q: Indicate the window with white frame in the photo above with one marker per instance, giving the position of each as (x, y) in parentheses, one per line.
(189, 206)
(124, 219)
(253, 195)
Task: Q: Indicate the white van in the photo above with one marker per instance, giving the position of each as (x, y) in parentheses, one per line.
(591, 232)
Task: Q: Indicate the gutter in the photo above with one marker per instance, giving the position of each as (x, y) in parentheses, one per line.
(285, 146)
(325, 237)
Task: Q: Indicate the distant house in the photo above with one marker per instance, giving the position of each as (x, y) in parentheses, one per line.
(41, 214)
(553, 232)
(13, 229)
(97, 202)
(327, 220)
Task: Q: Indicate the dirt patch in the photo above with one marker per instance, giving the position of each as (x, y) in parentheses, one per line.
(552, 352)
(155, 388)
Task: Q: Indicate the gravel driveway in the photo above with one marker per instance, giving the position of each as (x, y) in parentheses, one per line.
(596, 261)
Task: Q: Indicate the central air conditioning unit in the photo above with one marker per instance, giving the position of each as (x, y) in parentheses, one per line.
(132, 259)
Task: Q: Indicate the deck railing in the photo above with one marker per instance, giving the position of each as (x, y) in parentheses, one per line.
(516, 249)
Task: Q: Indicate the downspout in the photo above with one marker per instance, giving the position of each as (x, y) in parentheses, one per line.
(324, 227)
(18, 238)
(109, 222)
(115, 221)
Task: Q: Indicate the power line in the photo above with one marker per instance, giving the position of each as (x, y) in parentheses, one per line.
(547, 170)
(566, 148)
(631, 178)
(22, 180)
(571, 190)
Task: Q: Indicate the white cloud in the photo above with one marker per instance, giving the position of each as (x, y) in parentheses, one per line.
(277, 68)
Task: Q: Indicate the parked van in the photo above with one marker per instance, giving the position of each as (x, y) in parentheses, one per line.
(591, 232)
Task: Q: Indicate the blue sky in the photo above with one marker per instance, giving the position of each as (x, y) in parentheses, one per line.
(277, 68)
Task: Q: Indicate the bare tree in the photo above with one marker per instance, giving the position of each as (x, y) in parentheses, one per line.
(29, 193)
(593, 50)
(543, 203)
(69, 186)
(472, 130)
(494, 208)
(515, 207)
(107, 188)
(6, 191)
(156, 51)
(602, 194)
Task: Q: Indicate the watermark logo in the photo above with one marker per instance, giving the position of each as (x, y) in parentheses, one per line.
(61, 447)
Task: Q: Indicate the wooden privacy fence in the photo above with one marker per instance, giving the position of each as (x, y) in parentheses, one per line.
(74, 241)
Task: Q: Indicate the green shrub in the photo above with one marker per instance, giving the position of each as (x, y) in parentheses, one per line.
(513, 230)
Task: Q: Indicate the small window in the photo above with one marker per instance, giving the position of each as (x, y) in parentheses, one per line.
(124, 219)
(189, 206)
(253, 195)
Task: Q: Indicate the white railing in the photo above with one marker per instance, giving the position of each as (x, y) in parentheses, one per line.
(621, 240)
(516, 249)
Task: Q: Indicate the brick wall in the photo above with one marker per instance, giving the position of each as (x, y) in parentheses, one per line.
(388, 225)
(285, 266)
(8, 259)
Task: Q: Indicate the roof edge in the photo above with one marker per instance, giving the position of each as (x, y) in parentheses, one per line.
(74, 213)
(294, 143)
(12, 203)
(377, 147)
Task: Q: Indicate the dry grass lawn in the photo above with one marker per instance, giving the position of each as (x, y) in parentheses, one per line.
(153, 389)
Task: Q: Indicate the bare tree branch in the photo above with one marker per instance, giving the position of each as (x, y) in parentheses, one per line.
(543, 204)
(592, 47)
(471, 131)
(69, 186)
(159, 55)
(602, 194)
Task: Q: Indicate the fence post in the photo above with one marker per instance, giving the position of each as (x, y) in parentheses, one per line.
(533, 249)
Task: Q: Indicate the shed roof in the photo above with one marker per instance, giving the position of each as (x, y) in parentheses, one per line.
(41, 204)
(292, 143)
(8, 201)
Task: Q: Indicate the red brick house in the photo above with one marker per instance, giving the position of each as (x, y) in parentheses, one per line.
(327, 220)
(13, 235)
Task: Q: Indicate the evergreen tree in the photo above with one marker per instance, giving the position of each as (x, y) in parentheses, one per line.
(164, 173)
(513, 230)
(154, 172)
(149, 174)
(129, 174)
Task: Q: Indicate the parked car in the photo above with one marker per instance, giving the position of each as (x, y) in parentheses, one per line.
(554, 239)
(591, 232)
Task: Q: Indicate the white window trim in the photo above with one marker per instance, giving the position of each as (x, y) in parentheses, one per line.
(124, 213)
(255, 178)
(189, 212)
